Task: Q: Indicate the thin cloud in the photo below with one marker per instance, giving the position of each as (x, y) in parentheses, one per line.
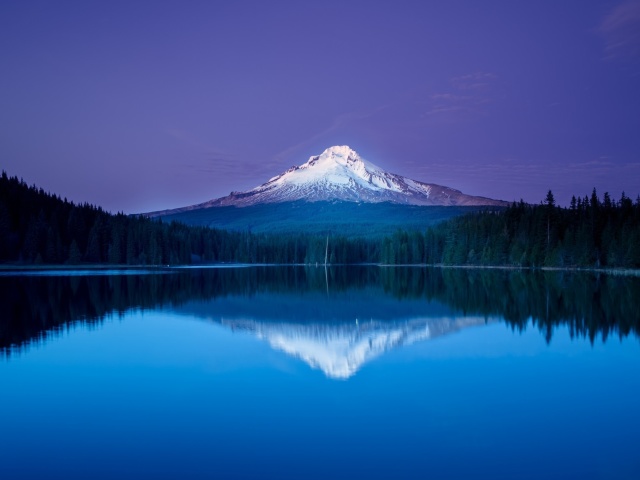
(195, 143)
(583, 174)
(210, 160)
(620, 30)
(339, 121)
(437, 110)
(449, 97)
(231, 168)
(474, 81)
(470, 92)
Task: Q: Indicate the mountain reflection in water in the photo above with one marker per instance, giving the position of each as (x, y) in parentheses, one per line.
(340, 350)
(335, 320)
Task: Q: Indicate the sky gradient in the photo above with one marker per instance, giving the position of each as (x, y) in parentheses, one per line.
(140, 106)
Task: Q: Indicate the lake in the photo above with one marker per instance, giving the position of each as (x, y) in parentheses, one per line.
(305, 372)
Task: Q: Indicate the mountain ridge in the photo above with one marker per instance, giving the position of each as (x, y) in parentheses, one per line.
(340, 173)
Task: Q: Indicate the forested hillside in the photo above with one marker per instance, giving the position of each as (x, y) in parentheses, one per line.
(37, 227)
(590, 233)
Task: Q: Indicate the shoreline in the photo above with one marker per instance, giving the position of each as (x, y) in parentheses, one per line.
(14, 268)
(607, 270)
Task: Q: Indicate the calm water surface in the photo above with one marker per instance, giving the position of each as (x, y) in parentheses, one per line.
(274, 372)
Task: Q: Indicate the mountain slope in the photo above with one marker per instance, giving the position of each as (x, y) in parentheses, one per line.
(349, 219)
(339, 173)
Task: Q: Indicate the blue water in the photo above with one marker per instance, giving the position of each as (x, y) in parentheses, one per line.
(200, 389)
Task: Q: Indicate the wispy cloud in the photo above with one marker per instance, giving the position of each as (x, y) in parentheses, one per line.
(525, 176)
(338, 122)
(517, 169)
(620, 30)
(206, 159)
(449, 97)
(474, 81)
(197, 145)
(443, 109)
(468, 92)
(231, 168)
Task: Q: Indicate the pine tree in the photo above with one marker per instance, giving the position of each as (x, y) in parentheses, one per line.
(74, 254)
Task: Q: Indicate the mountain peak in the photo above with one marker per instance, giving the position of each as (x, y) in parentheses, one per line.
(339, 154)
(344, 151)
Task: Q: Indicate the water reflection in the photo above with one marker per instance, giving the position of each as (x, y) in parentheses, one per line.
(341, 349)
(335, 320)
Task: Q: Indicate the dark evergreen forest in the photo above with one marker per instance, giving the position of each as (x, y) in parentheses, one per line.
(40, 228)
(589, 233)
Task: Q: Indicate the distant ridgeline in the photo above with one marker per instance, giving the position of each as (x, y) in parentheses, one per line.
(589, 304)
(37, 227)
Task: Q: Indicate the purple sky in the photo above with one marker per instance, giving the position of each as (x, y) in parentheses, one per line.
(140, 106)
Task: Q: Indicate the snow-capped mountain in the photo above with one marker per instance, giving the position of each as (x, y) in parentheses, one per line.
(339, 173)
(339, 350)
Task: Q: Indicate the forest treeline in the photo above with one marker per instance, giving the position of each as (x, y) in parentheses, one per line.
(37, 227)
(591, 232)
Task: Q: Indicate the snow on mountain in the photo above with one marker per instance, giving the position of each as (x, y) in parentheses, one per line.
(339, 173)
(339, 350)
